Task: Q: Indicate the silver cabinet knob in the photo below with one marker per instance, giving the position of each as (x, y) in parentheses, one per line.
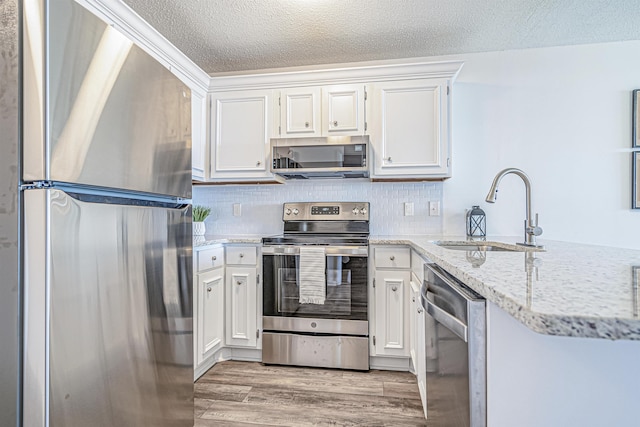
(238, 282)
(389, 159)
(209, 289)
(392, 257)
(394, 288)
(419, 310)
(213, 258)
(335, 123)
(306, 124)
(241, 255)
(258, 163)
(413, 299)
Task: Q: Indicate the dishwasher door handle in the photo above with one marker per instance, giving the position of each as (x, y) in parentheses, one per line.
(447, 320)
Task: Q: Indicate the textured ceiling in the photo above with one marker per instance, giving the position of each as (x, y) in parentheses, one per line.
(243, 35)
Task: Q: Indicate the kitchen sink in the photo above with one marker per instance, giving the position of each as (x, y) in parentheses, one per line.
(483, 246)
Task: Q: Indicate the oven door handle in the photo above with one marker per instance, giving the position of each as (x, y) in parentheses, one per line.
(353, 251)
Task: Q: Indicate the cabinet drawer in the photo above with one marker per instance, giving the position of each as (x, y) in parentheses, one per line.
(210, 258)
(241, 255)
(392, 257)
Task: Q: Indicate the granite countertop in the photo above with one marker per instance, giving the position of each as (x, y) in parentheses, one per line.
(569, 289)
(208, 240)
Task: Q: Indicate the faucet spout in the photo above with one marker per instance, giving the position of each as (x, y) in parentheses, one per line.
(531, 228)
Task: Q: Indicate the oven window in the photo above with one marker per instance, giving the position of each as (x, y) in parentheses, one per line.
(346, 288)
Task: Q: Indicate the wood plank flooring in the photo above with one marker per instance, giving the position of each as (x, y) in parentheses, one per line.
(237, 394)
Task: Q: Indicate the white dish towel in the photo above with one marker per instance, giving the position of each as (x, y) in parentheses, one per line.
(312, 280)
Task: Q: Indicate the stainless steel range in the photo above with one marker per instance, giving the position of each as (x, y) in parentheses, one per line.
(315, 305)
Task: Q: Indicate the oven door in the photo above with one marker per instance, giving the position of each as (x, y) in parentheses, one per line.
(346, 283)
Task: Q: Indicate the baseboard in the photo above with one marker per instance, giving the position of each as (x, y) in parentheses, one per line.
(246, 354)
(255, 355)
(218, 356)
(389, 363)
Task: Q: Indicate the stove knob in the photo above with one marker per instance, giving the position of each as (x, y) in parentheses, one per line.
(363, 211)
(287, 211)
(355, 211)
(296, 211)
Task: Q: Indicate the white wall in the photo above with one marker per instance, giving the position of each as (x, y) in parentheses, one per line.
(538, 380)
(262, 204)
(561, 114)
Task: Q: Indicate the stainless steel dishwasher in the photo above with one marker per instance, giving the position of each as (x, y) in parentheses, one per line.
(455, 350)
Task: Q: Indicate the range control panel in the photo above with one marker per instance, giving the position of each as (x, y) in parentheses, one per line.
(326, 211)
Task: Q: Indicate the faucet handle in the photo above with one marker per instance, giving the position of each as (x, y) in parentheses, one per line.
(534, 229)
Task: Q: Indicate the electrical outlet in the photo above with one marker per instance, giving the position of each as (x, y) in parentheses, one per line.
(434, 208)
(408, 209)
(237, 209)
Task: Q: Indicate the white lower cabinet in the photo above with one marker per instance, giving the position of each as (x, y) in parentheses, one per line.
(391, 319)
(208, 306)
(398, 319)
(418, 342)
(210, 334)
(390, 329)
(241, 320)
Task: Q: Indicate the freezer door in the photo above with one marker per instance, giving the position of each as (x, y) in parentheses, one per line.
(108, 313)
(98, 109)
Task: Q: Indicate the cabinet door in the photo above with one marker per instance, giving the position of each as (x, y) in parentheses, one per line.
(343, 110)
(198, 136)
(419, 346)
(210, 315)
(240, 134)
(414, 303)
(241, 325)
(410, 132)
(300, 112)
(391, 294)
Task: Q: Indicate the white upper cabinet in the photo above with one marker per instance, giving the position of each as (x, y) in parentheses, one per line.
(343, 110)
(198, 136)
(300, 113)
(240, 135)
(318, 111)
(410, 129)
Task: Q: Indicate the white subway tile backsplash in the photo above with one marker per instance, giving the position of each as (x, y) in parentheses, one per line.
(262, 204)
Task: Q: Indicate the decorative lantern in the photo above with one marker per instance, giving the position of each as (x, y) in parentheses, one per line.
(476, 222)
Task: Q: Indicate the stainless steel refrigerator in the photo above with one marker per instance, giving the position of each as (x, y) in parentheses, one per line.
(98, 281)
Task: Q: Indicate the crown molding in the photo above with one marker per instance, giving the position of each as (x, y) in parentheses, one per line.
(122, 17)
(357, 73)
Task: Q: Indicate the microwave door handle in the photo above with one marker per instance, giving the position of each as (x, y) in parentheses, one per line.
(447, 320)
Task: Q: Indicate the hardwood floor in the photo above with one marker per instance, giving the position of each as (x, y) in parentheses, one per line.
(236, 394)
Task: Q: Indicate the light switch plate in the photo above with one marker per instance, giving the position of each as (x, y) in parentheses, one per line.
(434, 208)
(408, 209)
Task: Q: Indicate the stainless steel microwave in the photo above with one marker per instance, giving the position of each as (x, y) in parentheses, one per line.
(330, 157)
